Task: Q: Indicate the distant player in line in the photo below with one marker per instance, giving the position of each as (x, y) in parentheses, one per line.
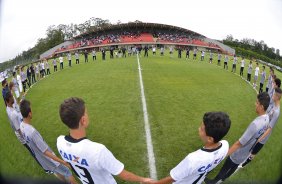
(219, 59)
(273, 119)
(234, 63)
(195, 166)
(242, 148)
(250, 68)
(225, 66)
(195, 54)
(203, 56)
(275, 84)
(91, 161)
(262, 79)
(69, 58)
(187, 53)
(76, 57)
(242, 67)
(94, 54)
(256, 76)
(211, 57)
(43, 153)
(269, 80)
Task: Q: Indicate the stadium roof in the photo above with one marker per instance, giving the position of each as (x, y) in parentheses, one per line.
(139, 25)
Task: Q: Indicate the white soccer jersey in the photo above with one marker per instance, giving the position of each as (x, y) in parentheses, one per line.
(15, 121)
(91, 161)
(243, 63)
(257, 71)
(196, 165)
(61, 59)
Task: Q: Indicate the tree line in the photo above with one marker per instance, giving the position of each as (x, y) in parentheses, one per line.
(54, 36)
(251, 48)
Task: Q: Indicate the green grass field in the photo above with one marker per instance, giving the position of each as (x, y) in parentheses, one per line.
(178, 93)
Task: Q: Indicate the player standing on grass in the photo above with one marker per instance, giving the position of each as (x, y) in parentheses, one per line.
(250, 68)
(241, 149)
(43, 153)
(242, 67)
(234, 63)
(195, 166)
(273, 118)
(195, 54)
(256, 76)
(211, 57)
(262, 79)
(225, 66)
(269, 80)
(69, 58)
(91, 161)
(218, 59)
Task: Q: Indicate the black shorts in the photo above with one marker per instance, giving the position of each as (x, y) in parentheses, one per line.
(218, 60)
(195, 55)
(257, 148)
(170, 52)
(210, 59)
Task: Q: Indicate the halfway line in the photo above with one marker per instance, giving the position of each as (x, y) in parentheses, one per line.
(150, 148)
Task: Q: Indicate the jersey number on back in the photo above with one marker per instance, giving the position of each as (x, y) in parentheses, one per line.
(84, 175)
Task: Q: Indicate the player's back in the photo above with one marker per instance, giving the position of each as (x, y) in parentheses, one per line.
(38, 146)
(91, 161)
(196, 165)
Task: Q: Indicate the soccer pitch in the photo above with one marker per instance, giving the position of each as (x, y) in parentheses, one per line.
(178, 92)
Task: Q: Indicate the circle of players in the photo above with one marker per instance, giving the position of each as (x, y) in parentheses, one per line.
(94, 163)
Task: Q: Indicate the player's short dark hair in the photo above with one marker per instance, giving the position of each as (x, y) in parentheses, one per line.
(25, 108)
(277, 82)
(71, 111)
(217, 125)
(7, 96)
(264, 99)
(278, 90)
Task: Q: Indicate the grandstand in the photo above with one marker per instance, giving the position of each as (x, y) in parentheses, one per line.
(130, 34)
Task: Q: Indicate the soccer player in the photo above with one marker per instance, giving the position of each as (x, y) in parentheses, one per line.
(195, 166)
(234, 63)
(179, 52)
(269, 80)
(273, 118)
(55, 64)
(69, 58)
(195, 54)
(250, 68)
(94, 54)
(187, 52)
(203, 55)
(262, 79)
(211, 57)
(162, 51)
(241, 149)
(61, 59)
(146, 51)
(225, 65)
(85, 56)
(14, 117)
(276, 84)
(5, 89)
(16, 86)
(154, 50)
(218, 59)
(242, 67)
(91, 161)
(256, 76)
(76, 57)
(43, 153)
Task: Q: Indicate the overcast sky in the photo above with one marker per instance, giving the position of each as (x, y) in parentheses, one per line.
(23, 22)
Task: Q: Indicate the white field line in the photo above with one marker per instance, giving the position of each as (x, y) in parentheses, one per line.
(150, 148)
